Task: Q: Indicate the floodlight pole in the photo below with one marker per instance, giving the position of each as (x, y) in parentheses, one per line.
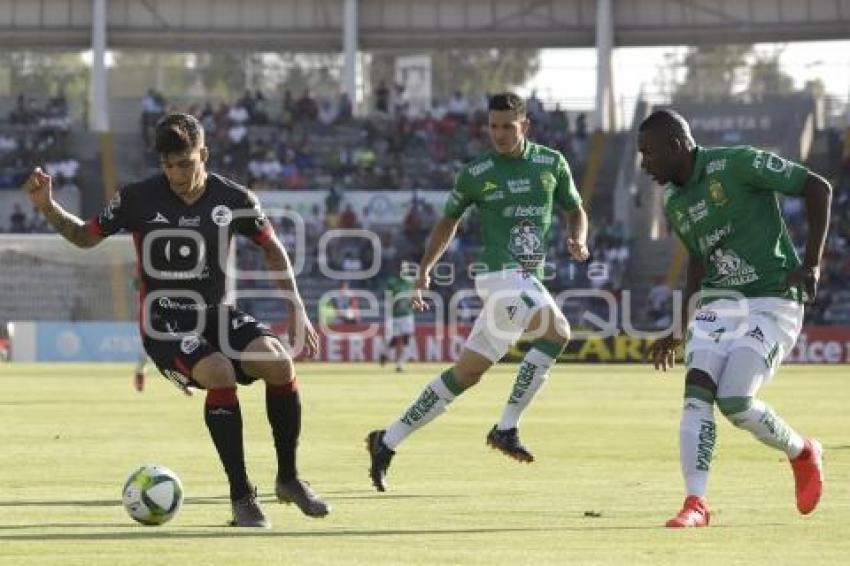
(606, 118)
(350, 24)
(98, 101)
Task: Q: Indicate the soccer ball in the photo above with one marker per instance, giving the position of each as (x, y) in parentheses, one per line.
(152, 495)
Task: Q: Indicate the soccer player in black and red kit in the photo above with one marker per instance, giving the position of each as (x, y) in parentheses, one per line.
(183, 221)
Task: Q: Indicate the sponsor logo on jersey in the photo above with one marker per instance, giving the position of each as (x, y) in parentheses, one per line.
(189, 344)
(221, 215)
(698, 211)
(114, 205)
(166, 303)
(489, 186)
(543, 159)
(241, 321)
(771, 162)
(478, 168)
(159, 219)
(519, 185)
(732, 269)
(547, 179)
(189, 221)
(715, 166)
(526, 244)
(681, 221)
(717, 194)
(524, 211)
(498, 195)
(706, 316)
(711, 239)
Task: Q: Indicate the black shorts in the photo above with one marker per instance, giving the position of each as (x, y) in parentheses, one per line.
(175, 357)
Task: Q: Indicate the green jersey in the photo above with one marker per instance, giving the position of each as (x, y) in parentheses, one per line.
(727, 215)
(400, 289)
(515, 197)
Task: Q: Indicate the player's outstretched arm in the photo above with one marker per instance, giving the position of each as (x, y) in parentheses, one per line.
(441, 234)
(39, 189)
(277, 260)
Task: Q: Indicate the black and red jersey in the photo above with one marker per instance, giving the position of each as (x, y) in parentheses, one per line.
(183, 249)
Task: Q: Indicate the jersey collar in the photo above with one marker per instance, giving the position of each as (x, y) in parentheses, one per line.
(524, 154)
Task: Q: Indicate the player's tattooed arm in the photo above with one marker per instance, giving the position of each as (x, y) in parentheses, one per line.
(39, 189)
(70, 226)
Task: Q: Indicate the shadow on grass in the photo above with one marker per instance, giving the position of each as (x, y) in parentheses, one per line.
(210, 499)
(219, 531)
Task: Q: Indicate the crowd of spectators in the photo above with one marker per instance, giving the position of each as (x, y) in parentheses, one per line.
(316, 143)
(34, 132)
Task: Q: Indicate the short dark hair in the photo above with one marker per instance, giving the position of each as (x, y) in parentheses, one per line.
(178, 133)
(507, 101)
(668, 122)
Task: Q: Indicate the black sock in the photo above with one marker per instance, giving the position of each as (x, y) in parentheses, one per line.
(283, 408)
(224, 421)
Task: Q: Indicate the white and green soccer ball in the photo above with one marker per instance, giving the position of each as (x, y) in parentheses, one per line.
(152, 495)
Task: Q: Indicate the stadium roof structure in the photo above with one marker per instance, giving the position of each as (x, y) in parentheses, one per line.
(317, 25)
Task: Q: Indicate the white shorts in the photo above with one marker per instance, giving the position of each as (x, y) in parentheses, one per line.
(768, 325)
(510, 298)
(401, 326)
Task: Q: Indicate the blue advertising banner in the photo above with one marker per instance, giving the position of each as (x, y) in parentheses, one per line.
(87, 342)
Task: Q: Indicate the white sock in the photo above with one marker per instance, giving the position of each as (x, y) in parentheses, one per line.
(140, 364)
(399, 361)
(430, 404)
(531, 376)
(697, 435)
(768, 428)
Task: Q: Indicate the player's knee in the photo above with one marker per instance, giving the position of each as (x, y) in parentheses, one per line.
(266, 359)
(466, 378)
(700, 385)
(214, 372)
(736, 409)
(561, 330)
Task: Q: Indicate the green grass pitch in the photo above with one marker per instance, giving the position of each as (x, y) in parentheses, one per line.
(605, 479)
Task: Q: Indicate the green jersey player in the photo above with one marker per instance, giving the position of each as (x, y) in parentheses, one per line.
(750, 288)
(401, 325)
(515, 188)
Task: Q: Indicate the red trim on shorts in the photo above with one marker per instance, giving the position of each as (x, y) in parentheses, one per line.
(182, 367)
(264, 236)
(224, 397)
(92, 226)
(287, 388)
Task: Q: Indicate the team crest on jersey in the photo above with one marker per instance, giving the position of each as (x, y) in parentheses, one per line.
(189, 344)
(222, 215)
(489, 186)
(717, 194)
(526, 243)
(547, 179)
(732, 269)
